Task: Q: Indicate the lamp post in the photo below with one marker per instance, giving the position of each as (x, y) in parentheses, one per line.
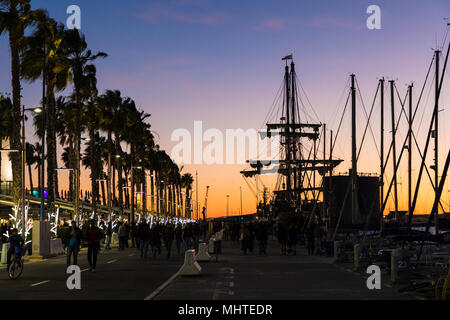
(35, 110)
(228, 204)
(132, 191)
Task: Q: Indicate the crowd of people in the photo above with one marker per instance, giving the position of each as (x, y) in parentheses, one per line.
(141, 236)
(313, 234)
(158, 236)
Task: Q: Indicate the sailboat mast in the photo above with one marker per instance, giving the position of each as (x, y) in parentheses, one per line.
(287, 138)
(409, 147)
(354, 168)
(436, 157)
(293, 141)
(382, 149)
(394, 155)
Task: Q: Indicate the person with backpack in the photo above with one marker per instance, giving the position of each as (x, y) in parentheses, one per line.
(73, 242)
(94, 236)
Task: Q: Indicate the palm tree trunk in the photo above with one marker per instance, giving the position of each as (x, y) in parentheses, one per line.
(15, 133)
(103, 189)
(152, 172)
(119, 173)
(94, 165)
(52, 183)
(144, 195)
(158, 188)
(113, 181)
(39, 173)
(31, 178)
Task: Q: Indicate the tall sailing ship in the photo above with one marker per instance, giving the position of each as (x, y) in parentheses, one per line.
(305, 185)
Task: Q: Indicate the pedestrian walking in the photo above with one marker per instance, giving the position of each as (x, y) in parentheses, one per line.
(310, 234)
(127, 233)
(134, 237)
(178, 238)
(168, 236)
(121, 233)
(292, 239)
(261, 236)
(143, 232)
(73, 242)
(188, 235)
(155, 240)
(94, 236)
(108, 236)
(282, 235)
(318, 236)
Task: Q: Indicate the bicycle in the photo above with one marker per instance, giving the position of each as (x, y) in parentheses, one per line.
(16, 268)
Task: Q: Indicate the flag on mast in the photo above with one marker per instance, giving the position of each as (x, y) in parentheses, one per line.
(287, 57)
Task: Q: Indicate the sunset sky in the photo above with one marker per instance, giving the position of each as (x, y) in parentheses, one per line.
(219, 62)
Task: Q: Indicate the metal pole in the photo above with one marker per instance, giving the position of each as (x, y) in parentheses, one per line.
(436, 135)
(228, 204)
(41, 193)
(23, 175)
(394, 155)
(324, 161)
(410, 149)
(381, 150)
(354, 166)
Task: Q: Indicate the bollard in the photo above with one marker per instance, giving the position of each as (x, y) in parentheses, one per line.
(202, 254)
(339, 251)
(400, 266)
(56, 246)
(5, 248)
(361, 257)
(211, 245)
(190, 266)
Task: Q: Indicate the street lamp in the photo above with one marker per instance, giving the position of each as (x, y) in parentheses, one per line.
(35, 110)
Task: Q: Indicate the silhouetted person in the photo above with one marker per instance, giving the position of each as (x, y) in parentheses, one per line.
(282, 234)
(143, 232)
(94, 236)
(73, 242)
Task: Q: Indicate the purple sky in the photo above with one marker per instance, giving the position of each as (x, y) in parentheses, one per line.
(219, 62)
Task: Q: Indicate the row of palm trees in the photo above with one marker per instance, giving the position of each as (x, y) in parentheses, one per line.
(62, 58)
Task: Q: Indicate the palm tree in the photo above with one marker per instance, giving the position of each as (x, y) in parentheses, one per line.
(50, 33)
(87, 161)
(135, 126)
(186, 181)
(74, 47)
(109, 105)
(66, 128)
(15, 17)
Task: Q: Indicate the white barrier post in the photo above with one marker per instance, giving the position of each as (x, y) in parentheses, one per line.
(5, 248)
(190, 266)
(202, 254)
